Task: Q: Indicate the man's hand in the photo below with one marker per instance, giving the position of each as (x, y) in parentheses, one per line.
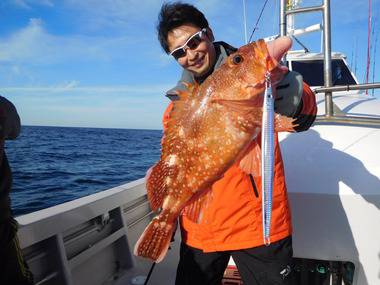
(278, 48)
(290, 89)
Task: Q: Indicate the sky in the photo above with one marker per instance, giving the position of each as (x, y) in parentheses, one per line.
(98, 63)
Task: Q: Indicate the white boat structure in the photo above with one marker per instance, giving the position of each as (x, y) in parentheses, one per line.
(332, 173)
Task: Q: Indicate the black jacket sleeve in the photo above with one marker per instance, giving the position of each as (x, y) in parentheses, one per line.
(9, 120)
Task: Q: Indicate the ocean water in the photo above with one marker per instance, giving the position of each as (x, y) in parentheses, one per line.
(52, 165)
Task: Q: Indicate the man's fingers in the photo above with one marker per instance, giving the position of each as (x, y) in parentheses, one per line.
(279, 47)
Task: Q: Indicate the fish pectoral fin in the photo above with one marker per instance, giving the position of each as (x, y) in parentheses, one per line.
(189, 86)
(156, 184)
(283, 123)
(185, 93)
(194, 210)
(251, 160)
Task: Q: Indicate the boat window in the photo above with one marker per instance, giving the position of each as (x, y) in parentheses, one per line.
(312, 72)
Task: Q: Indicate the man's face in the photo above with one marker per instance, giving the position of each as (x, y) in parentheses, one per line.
(198, 60)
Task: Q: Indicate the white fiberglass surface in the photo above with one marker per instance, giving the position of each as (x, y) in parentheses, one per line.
(353, 103)
(332, 159)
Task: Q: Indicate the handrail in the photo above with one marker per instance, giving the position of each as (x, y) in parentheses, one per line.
(349, 120)
(325, 9)
(348, 87)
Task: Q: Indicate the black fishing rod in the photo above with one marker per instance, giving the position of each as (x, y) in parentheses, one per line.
(258, 20)
(150, 273)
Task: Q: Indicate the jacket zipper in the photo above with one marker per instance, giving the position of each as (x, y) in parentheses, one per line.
(253, 185)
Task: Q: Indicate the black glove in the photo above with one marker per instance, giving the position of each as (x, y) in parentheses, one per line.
(288, 94)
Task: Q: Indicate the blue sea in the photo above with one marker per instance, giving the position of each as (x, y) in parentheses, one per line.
(52, 165)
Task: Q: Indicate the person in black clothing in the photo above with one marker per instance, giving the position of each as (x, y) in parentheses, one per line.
(13, 268)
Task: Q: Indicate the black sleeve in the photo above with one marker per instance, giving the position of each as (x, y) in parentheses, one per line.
(9, 120)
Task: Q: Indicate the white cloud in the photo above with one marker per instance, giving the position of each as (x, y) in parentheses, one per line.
(100, 14)
(21, 4)
(34, 45)
(27, 4)
(74, 87)
(16, 70)
(70, 104)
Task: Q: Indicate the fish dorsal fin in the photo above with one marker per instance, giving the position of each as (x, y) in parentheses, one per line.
(250, 162)
(156, 184)
(195, 209)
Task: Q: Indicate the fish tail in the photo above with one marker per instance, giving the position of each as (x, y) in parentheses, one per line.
(155, 240)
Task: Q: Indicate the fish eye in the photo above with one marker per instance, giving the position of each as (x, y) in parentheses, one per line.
(237, 59)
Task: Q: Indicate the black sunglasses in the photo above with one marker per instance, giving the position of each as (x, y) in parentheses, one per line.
(192, 43)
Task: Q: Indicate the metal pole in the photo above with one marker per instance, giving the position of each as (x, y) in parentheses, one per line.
(245, 23)
(282, 17)
(327, 57)
(349, 120)
(348, 87)
(305, 10)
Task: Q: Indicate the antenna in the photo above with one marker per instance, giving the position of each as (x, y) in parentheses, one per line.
(356, 56)
(374, 59)
(368, 42)
(353, 53)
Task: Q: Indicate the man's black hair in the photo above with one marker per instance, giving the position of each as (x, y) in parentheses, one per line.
(173, 15)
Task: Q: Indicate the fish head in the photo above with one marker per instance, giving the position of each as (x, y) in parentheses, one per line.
(242, 76)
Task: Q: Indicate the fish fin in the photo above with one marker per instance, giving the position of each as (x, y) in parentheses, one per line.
(156, 185)
(194, 210)
(241, 105)
(251, 160)
(283, 123)
(183, 94)
(189, 88)
(155, 240)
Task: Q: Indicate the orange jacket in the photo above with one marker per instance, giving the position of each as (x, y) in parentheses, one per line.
(233, 219)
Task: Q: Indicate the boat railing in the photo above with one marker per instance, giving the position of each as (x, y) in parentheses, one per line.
(328, 88)
(343, 118)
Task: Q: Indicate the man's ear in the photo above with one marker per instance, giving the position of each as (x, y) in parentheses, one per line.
(210, 34)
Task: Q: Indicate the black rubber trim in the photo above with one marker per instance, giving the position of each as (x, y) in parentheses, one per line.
(254, 185)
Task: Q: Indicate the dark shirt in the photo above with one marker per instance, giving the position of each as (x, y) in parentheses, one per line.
(9, 129)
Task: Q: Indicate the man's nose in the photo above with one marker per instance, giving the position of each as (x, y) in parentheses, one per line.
(191, 54)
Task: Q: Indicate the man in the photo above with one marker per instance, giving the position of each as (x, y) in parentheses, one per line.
(231, 224)
(13, 269)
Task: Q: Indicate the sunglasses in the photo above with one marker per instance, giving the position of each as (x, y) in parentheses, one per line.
(192, 43)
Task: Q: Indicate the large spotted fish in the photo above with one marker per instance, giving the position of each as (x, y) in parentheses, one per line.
(210, 128)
